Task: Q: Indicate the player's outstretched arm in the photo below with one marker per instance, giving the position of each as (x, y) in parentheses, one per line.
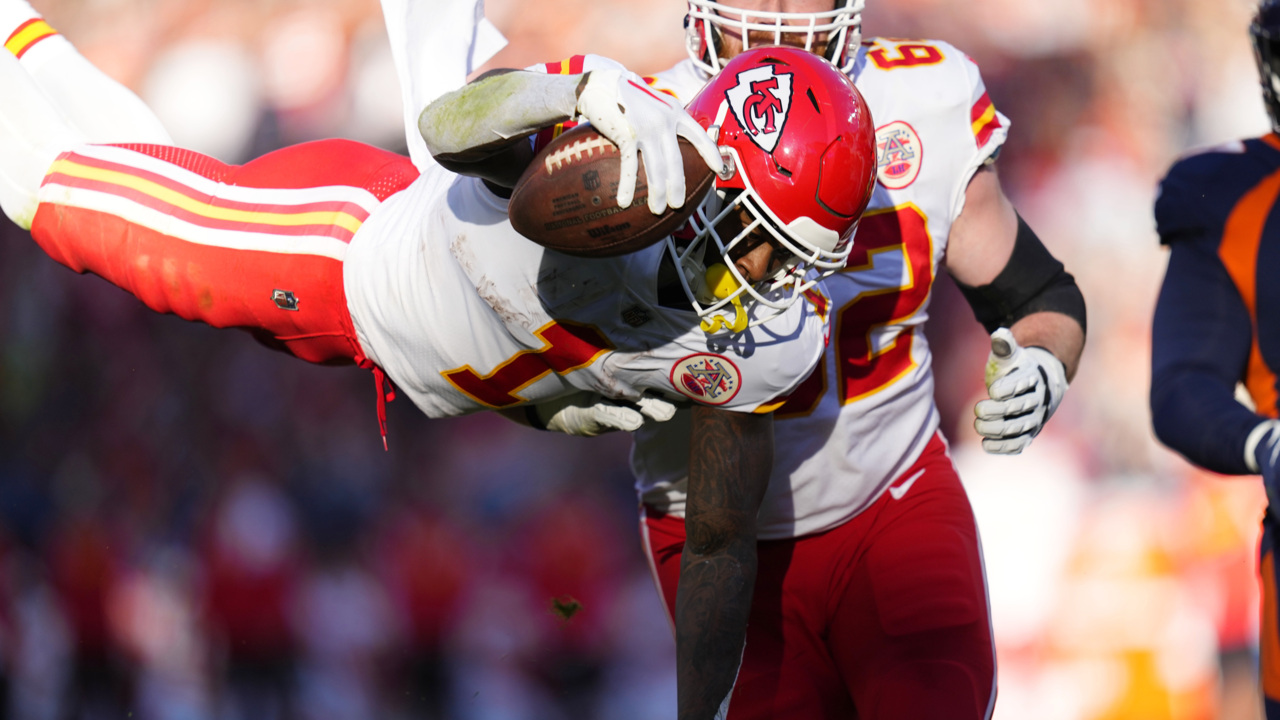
(1013, 282)
(731, 455)
(640, 120)
(479, 129)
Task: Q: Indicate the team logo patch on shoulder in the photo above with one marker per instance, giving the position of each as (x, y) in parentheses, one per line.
(761, 101)
(708, 378)
(898, 155)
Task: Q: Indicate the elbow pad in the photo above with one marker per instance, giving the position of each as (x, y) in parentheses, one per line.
(1033, 281)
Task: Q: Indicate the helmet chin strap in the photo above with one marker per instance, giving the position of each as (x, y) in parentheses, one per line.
(721, 283)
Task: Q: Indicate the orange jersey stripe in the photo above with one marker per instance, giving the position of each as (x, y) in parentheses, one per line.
(1241, 236)
(1270, 641)
(27, 35)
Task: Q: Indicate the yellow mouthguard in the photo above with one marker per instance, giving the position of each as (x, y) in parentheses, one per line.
(721, 284)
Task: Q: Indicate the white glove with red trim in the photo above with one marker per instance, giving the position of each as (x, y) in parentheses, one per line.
(636, 117)
(1025, 387)
(588, 414)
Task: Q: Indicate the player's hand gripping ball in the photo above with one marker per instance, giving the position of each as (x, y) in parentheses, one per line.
(567, 198)
(639, 120)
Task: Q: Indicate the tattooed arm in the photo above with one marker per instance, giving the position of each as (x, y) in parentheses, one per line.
(730, 458)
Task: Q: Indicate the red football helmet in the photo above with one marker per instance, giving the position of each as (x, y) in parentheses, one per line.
(840, 28)
(799, 143)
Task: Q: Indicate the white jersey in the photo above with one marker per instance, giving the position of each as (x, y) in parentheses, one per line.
(465, 314)
(867, 412)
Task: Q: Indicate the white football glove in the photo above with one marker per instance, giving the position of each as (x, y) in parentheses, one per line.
(635, 118)
(1025, 385)
(1262, 455)
(588, 414)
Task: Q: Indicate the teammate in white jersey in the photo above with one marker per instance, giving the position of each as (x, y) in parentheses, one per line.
(341, 253)
(872, 604)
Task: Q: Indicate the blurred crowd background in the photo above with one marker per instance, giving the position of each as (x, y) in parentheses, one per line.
(192, 527)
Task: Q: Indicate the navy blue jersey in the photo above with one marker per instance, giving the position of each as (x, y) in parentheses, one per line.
(1217, 321)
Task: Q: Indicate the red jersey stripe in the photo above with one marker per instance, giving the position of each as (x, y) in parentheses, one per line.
(316, 165)
(569, 66)
(349, 208)
(984, 119)
(81, 167)
(27, 35)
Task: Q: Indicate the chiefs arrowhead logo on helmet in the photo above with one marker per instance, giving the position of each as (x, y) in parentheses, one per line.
(760, 101)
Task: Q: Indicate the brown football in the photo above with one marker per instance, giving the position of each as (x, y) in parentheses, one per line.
(567, 198)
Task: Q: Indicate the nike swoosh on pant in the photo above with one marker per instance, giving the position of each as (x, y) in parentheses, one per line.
(897, 491)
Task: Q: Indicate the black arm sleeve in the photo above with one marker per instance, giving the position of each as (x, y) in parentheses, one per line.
(1201, 338)
(1032, 281)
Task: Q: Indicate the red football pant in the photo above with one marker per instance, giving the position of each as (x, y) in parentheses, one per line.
(882, 618)
(257, 246)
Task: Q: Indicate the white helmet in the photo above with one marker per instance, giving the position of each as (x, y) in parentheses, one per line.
(841, 27)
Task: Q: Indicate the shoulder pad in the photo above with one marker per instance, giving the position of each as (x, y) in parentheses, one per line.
(1202, 188)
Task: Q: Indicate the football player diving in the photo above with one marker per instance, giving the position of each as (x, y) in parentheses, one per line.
(340, 253)
(871, 598)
